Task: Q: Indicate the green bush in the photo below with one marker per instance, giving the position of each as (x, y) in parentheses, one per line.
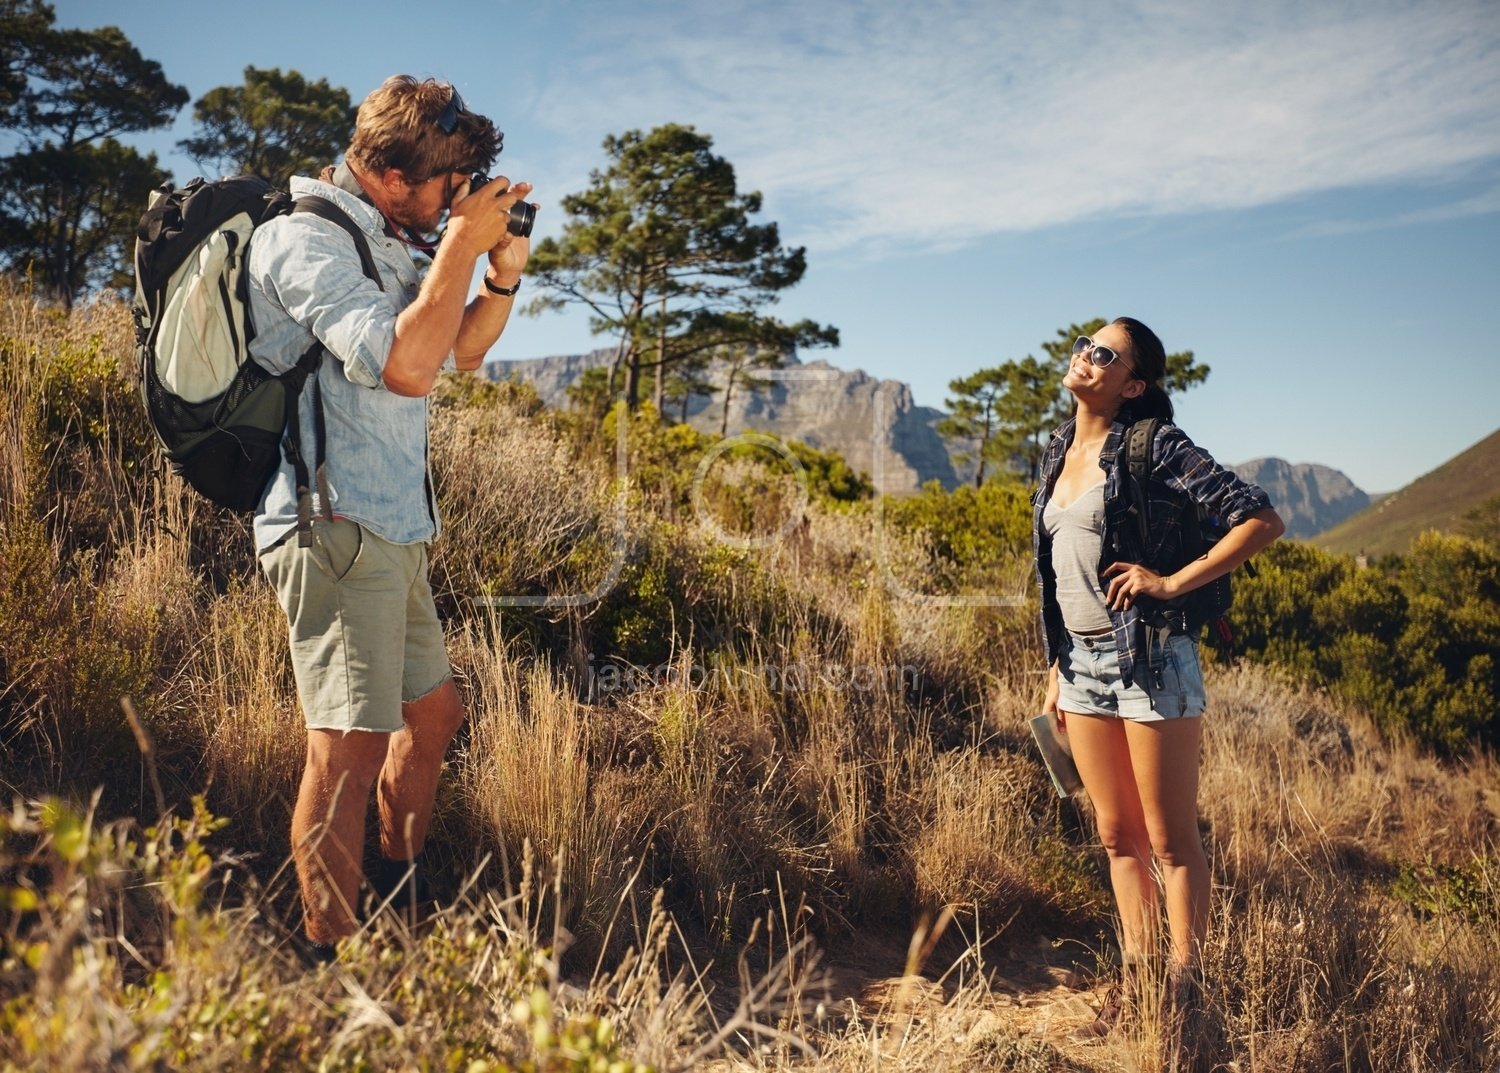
(476, 992)
(1412, 640)
(1434, 889)
(664, 462)
(970, 532)
(1483, 522)
(90, 402)
(831, 480)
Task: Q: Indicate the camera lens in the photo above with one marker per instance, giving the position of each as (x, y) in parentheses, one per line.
(522, 214)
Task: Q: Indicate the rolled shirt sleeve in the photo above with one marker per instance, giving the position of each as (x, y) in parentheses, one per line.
(1187, 468)
(305, 268)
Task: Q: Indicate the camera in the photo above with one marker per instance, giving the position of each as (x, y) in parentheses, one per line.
(522, 213)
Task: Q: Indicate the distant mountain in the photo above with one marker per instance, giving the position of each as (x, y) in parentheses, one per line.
(1437, 500)
(1309, 498)
(873, 423)
(880, 431)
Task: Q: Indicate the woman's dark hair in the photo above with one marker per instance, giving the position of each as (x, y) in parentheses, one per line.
(1151, 367)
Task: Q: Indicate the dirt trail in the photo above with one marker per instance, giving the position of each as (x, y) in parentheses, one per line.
(1039, 992)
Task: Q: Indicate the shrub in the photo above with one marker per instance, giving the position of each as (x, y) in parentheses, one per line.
(1413, 641)
(972, 534)
(523, 516)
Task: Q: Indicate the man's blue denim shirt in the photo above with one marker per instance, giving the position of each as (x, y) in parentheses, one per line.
(305, 281)
(1188, 473)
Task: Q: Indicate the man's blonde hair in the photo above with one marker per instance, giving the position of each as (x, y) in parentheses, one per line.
(397, 128)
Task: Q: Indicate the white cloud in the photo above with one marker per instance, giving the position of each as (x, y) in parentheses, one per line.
(1484, 203)
(871, 126)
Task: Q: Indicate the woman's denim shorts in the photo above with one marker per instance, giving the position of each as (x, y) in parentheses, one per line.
(1089, 681)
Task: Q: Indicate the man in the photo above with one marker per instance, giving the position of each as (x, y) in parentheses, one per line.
(367, 649)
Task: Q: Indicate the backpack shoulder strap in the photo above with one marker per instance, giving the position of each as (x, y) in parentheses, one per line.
(1140, 447)
(307, 367)
(1140, 460)
(327, 210)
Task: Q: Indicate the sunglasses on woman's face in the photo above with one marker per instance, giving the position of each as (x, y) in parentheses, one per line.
(1099, 355)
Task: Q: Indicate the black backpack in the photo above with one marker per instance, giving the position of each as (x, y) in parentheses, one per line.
(223, 419)
(1206, 606)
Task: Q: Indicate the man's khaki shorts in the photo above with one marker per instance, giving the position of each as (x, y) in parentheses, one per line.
(365, 635)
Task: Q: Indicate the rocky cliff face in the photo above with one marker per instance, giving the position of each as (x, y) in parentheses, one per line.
(873, 423)
(880, 431)
(1309, 498)
(550, 376)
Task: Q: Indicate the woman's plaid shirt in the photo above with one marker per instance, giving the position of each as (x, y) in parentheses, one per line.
(1183, 475)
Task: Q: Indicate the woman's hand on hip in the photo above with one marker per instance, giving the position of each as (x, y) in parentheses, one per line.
(1128, 582)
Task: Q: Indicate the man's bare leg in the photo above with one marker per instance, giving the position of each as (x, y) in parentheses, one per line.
(409, 777)
(328, 826)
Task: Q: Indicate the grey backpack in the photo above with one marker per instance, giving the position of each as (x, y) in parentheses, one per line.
(224, 420)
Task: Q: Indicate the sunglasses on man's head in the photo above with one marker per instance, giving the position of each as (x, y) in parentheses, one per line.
(1099, 355)
(447, 120)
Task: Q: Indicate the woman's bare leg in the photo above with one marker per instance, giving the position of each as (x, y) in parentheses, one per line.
(1102, 752)
(1164, 757)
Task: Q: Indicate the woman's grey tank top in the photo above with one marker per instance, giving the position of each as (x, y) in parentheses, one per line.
(1077, 533)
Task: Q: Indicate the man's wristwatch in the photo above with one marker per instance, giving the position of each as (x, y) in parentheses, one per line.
(493, 289)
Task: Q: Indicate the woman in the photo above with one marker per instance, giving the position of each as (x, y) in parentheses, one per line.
(1129, 696)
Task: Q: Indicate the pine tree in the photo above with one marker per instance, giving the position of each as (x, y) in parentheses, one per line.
(71, 196)
(274, 125)
(660, 249)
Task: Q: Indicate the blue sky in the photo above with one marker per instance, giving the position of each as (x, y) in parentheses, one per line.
(1306, 196)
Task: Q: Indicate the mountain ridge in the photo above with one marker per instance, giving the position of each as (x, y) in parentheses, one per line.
(879, 429)
(1310, 497)
(874, 424)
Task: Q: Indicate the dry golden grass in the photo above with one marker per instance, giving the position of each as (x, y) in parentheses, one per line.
(524, 515)
(1312, 819)
(527, 783)
(241, 699)
(644, 863)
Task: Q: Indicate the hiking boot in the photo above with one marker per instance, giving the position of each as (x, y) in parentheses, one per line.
(1118, 1012)
(403, 882)
(1187, 1025)
(1112, 1017)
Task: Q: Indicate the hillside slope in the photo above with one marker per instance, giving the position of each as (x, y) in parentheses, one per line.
(673, 795)
(1436, 500)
